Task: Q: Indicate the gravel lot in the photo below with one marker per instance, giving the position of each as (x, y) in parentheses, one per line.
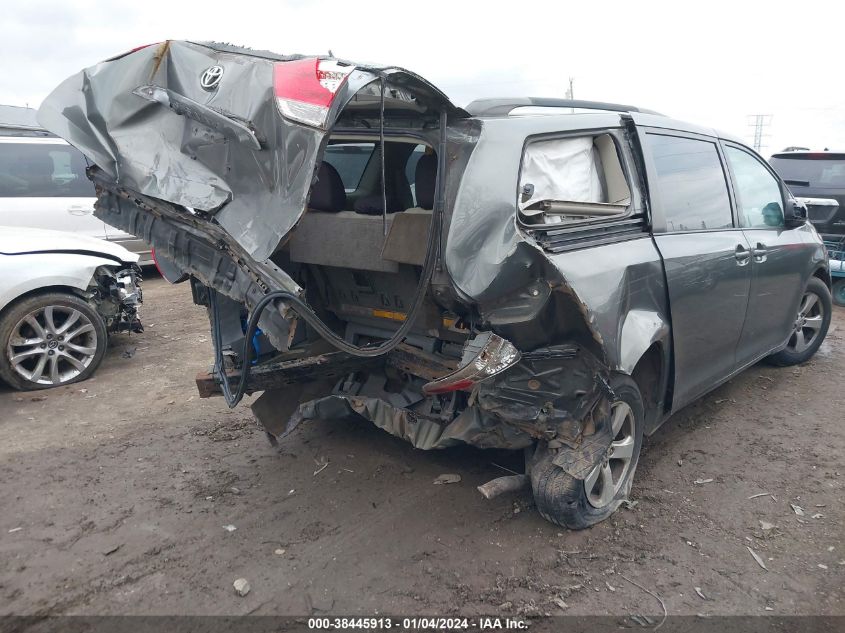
(115, 493)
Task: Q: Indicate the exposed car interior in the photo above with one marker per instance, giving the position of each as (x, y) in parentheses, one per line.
(344, 224)
(362, 265)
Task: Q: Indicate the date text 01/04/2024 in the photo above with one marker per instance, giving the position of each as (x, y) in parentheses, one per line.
(418, 623)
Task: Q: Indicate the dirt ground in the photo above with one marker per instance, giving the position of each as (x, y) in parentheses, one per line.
(115, 493)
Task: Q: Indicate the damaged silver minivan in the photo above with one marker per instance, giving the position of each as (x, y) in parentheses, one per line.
(550, 276)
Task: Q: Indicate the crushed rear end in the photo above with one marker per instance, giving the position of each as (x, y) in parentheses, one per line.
(310, 200)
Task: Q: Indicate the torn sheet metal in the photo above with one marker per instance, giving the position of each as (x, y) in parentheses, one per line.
(549, 393)
(181, 153)
(471, 426)
(557, 395)
(152, 122)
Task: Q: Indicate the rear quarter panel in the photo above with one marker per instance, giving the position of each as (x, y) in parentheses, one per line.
(617, 290)
(623, 287)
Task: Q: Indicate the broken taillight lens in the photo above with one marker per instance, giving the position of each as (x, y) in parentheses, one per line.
(305, 88)
(485, 356)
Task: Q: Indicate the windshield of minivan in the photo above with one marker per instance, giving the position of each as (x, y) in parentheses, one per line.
(828, 172)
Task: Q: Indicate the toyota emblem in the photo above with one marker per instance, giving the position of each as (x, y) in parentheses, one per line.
(211, 77)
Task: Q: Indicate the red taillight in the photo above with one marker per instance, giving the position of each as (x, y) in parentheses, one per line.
(305, 88)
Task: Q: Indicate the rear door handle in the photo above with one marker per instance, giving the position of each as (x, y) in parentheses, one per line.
(760, 252)
(742, 255)
(78, 209)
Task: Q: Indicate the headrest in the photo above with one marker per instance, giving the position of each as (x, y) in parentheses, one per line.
(34, 165)
(327, 194)
(373, 204)
(425, 179)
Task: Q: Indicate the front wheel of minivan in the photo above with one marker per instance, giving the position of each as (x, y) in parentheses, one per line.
(810, 326)
(580, 503)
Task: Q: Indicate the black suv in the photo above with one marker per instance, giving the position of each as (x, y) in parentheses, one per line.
(817, 175)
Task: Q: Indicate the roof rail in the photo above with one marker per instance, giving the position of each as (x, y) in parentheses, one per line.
(503, 107)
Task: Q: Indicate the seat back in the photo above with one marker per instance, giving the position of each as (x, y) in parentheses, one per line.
(327, 194)
(425, 181)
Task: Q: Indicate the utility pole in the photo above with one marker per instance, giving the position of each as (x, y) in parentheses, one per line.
(760, 122)
(570, 93)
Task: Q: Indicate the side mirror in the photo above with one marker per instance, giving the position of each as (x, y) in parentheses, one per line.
(795, 213)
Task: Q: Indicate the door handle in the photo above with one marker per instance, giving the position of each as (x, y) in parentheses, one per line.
(742, 255)
(759, 253)
(78, 209)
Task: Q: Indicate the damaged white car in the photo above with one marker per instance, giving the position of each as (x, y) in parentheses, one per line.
(61, 295)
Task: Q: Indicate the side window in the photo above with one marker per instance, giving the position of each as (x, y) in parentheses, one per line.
(350, 160)
(691, 183)
(572, 179)
(758, 192)
(43, 170)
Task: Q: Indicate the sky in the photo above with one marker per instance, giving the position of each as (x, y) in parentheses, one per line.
(712, 63)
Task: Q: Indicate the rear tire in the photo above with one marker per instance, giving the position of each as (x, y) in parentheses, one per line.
(810, 328)
(49, 340)
(580, 503)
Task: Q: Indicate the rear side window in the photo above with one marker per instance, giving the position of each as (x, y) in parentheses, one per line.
(757, 191)
(572, 179)
(350, 160)
(803, 171)
(691, 183)
(43, 170)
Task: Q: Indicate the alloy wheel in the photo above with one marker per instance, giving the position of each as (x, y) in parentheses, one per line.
(608, 477)
(807, 324)
(52, 345)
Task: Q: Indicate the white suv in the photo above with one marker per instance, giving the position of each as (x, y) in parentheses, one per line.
(43, 185)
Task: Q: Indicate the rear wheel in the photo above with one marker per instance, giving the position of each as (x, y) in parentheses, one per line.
(580, 503)
(50, 339)
(810, 326)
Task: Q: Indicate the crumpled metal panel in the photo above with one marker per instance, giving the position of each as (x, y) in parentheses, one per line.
(472, 426)
(491, 262)
(548, 393)
(145, 119)
(184, 152)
